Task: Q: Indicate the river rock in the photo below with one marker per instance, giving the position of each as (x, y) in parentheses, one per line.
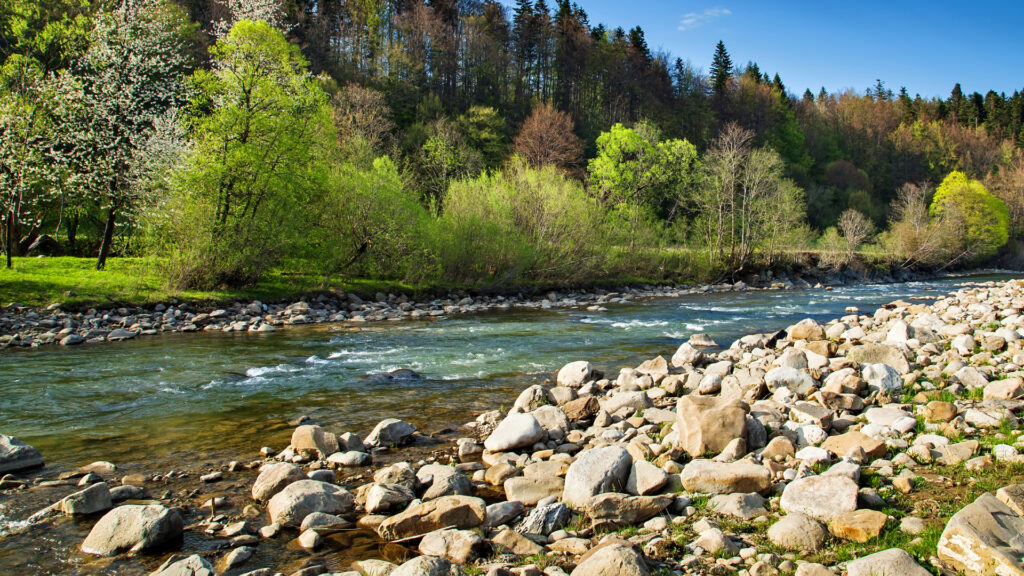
(501, 513)
(459, 546)
(95, 498)
(645, 478)
(543, 520)
(530, 491)
(371, 567)
(797, 531)
(425, 566)
(613, 510)
(133, 528)
(842, 444)
(687, 354)
(314, 442)
(384, 497)
(194, 565)
(891, 562)
(820, 497)
(552, 420)
(859, 525)
(16, 456)
(882, 377)
(515, 431)
(299, 499)
(1009, 389)
(516, 543)
(705, 425)
(984, 538)
(880, 354)
(806, 329)
(442, 480)
(581, 408)
(390, 432)
(710, 477)
(274, 478)
(615, 559)
(798, 381)
(574, 374)
(745, 506)
(461, 512)
(594, 472)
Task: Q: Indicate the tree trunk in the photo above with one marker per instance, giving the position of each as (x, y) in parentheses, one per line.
(72, 231)
(108, 238)
(9, 240)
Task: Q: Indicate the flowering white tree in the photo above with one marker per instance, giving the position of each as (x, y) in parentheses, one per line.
(107, 104)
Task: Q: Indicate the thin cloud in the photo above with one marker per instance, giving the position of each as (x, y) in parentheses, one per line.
(693, 20)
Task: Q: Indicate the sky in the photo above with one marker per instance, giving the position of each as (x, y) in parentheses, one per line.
(925, 46)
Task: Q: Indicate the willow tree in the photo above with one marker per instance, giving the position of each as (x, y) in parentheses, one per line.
(107, 102)
(262, 134)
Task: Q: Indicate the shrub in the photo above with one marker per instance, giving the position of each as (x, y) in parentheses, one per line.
(983, 219)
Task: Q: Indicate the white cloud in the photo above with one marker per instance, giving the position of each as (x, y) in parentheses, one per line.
(693, 20)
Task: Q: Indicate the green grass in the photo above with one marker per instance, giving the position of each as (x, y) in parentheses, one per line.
(75, 282)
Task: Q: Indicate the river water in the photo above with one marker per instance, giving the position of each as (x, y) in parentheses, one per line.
(158, 399)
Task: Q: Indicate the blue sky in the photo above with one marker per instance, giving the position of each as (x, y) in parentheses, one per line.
(925, 46)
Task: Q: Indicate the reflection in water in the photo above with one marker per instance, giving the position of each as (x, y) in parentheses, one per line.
(162, 398)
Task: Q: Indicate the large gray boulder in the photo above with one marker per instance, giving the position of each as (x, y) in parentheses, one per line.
(515, 431)
(290, 506)
(194, 565)
(984, 538)
(880, 354)
(133, 528)
(95, 498)
(820, 497)
(16, 456)
(274, 478)
(390, 432)
(442, 480)
(594, 472)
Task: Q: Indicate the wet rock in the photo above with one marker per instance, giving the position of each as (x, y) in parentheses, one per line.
(983, 538)
(820, 497)
(194, 565)
(612, 560)
(310, 539)
(891, 562)
(709, 477)
(706, 425)
(796, 531)
(515, 431)
(133, 528)
(461, 512)
(94, 499)
(274, 478)
(16, 456)
(126, 492)
(290, 506)
(390, 432)
(459, 546)
(324, 523)
(594, 472)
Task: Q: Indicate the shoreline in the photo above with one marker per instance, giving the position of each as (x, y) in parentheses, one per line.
(609, 413)
(26, 326)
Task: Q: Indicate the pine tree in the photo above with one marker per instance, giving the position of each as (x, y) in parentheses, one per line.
(721, 70)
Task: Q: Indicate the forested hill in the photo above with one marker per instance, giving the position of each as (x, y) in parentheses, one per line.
(114, 112)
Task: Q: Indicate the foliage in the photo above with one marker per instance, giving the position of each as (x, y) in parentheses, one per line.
(983, 218)
(546, 138)
(262, 137)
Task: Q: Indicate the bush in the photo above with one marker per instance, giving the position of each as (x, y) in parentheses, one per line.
(522, 224)
(983, 219)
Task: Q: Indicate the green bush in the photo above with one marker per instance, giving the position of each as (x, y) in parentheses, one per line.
(983, 219)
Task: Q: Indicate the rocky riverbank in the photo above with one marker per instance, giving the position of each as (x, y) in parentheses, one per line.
(873, 444)
(26, 326)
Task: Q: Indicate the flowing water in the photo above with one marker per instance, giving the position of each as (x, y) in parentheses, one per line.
(156, 402)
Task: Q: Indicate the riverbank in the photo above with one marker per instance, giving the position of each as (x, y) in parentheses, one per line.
(30, 326)
(791, 451)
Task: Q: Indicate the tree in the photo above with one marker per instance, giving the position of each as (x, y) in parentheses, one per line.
(363, 119)
(856, 228)
(721, 71)
(107, 102)
(546, 138)
(983, 218)
(262, 138)
(445, 157)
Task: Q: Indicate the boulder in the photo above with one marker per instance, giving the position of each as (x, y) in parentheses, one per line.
(634, 401)
(16, 456)
(383, 497)
(194, 565)
(612, 560)
(574, 374)
(820, 497)
(314, 442)
(370, 568)
(656, 368)
(543, 520)
(442, 480)
(390, 432)
(515, 431)
(594, 472)
(461, 512)
(798, 381)
(709, 477)
(551, 419)
(533, 397)
(529, 491)
(880, 354)
(134, 528)
(1009, 389)
(806, 329)
(645, 478)
(503, 512)
(616, 510)
(274, 478)
(705, 425)
(797, 531)
(984, 538)
(687, 354)
(891, 562)
(842, 444)
(95, 498)
(300, 499)
(882, 377)
(581, 408)
(459, 546)
(745, 506)
(424, 566)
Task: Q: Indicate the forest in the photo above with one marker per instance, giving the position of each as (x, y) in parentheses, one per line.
(460, 142)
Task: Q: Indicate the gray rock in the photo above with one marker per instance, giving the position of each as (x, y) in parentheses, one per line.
(515, 431)
(820, 497)
(544, 520)
(459, 546)
(645, 478)
(797, 531)
(274, 478)
(501, 513)
(594, 472)
(745, 506)
(390, 432)
(324, 523)
(891, 562)
(95, 498)
(709, 477)
(612, 560)
(194, 565)
(290, 506)
(984, 538)
(574, 374)
(614, 510)
(882, 377)
(133, 528)
(880, 354)
(424, 566)
(784, 377)
(16, 456)
(383, 497)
